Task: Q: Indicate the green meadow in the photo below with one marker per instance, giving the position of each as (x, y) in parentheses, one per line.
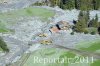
(11, 17)
(0, 49)
(51, 54)
(30, 11)
(3, 27)
(91, 46)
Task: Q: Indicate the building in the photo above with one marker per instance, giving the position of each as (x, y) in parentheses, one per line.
(54, 29)
(61, 25)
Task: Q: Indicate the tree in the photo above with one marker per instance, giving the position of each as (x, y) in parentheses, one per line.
(94, 22)
(61, 5)
(80, 14)
(77, 4)
(83, 5)
(99, 24)
(99, 30)
(87, 16)
(54, 2)
(84, 16)
(96, 18)
(68, 4)
(46, 2)
(3, 45)
(96, 4)
(74, 22)
(90, 24)
(81, 25)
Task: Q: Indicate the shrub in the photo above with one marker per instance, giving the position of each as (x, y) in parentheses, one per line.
(72, 33)
(99, 30)
(93, 33)
(86, 32)
(37, 3)
(3, 45)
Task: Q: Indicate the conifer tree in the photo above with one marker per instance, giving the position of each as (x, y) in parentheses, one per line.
(55, 2)
(81, 24)
(61, 5)
(96, 4)
(77, 4)
(87, 18)
(96, 21)
(3, 45)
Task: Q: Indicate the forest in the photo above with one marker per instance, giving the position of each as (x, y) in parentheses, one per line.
(77, 4)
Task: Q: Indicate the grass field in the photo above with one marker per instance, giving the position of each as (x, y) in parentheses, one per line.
(52, 54)
(12, 16)
(3, 27)
(43, 53)
(96, 63)
(39, 12)
(1, 49)
(91, 46)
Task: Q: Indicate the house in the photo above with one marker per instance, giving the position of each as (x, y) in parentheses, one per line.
(61, 25)
(54, 29)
